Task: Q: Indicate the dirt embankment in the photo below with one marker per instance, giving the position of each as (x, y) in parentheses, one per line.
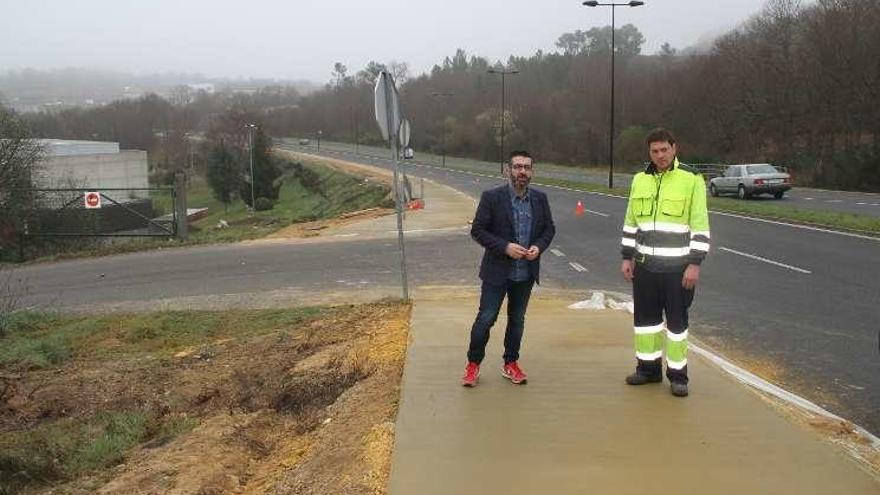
(294, 410)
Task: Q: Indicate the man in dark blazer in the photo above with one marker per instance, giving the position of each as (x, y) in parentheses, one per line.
(513, 223)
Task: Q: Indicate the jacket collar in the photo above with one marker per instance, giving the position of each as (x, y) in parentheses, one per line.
(652, 169)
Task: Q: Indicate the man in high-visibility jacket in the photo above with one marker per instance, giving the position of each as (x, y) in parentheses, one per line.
(665, 238)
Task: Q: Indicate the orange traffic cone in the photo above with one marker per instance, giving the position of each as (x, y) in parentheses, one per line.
(579, 209)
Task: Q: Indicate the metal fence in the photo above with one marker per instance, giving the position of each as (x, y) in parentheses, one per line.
(86, 212)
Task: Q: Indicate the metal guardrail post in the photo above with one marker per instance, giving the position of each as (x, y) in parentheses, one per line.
(180, 206)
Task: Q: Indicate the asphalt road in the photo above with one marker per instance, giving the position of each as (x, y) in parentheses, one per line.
(804, 301)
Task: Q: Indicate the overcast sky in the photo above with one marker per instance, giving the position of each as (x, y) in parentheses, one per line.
(301, 39)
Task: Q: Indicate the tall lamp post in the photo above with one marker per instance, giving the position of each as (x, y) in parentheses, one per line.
(611, 131)
(503, 71)
(440, 95)
(250, 128)
(354, 125)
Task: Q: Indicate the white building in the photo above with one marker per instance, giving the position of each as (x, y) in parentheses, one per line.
(94, 165)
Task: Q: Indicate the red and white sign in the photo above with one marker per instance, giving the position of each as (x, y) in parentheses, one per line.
(93, 199)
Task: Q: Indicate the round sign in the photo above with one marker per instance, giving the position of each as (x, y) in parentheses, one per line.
(93, 199)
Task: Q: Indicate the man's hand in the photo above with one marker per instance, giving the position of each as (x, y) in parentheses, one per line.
(533, 253)
(626, 268)
(691, 276)
(516, 251)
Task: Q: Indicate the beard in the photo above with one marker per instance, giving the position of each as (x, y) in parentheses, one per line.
(520, 181)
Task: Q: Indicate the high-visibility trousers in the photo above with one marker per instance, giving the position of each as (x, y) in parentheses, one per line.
(656, 295)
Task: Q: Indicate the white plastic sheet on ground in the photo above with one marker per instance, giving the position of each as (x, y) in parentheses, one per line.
(598, 301)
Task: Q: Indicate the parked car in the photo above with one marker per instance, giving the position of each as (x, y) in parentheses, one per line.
(304, 142)
(751, 179)
(408, 153)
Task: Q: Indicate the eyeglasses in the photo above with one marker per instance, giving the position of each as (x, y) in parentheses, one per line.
(520, 167)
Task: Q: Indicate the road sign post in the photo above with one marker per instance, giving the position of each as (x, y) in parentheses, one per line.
(388, 116)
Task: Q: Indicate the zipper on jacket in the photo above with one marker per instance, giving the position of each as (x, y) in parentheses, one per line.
(656, 207)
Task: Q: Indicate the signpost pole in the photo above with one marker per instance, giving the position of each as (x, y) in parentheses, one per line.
(390, 115)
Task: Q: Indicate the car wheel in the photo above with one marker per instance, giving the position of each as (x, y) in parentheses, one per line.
(741, 192)
(778, 195)
(713, 191)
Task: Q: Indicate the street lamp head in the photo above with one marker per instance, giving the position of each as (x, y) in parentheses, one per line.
(591, 4)
(634, 3)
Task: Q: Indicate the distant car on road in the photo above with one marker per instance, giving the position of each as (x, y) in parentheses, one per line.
(749, 180)
(408, 153)
(304, 142)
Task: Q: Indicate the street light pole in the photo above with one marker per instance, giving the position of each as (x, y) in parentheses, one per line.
(438, 95)
(354, 121)
(251, 128)
(613, 49)
(503, 71)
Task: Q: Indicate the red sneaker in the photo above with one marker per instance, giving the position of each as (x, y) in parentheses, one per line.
(471, 375)
(512, 372)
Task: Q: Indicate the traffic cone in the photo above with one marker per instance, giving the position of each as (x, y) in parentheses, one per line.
(579, 209)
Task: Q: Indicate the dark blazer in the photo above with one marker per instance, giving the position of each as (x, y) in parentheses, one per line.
(493, 229)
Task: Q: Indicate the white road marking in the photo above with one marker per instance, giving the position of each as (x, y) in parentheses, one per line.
(598, 213)
(796, 226)
(415, 231)
(578, 267)
(557, 252)
(765, 260)
(346, 235)
(834, 201)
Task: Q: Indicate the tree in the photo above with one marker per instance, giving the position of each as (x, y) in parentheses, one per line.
(628, 40)
(370, 73)
(20, 157)
(267, 173)
(340, 78)
(572, 43)
(224, 174)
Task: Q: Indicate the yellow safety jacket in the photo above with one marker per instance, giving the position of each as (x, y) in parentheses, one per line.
(667, 222)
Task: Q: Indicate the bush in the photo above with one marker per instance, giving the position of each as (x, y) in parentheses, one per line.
(264, 204)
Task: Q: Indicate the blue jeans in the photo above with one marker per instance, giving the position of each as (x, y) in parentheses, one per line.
(491, 297)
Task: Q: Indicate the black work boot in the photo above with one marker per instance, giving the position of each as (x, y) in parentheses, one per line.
(641, 379)
(679, 389)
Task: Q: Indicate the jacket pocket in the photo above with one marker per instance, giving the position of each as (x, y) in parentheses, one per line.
(643, 205)
(673, 207)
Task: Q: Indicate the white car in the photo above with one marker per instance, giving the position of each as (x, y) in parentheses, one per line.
(751, 179)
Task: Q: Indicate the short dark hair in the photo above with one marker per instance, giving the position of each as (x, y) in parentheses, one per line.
(658, 135)
(522, 153)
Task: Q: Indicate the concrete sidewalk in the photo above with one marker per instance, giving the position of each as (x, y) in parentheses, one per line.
(577, 428)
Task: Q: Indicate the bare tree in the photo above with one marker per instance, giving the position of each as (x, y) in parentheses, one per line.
(20, 157)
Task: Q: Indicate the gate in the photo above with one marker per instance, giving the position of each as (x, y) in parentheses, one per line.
(108, 212)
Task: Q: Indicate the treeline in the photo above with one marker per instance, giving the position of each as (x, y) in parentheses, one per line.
(798, 85)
